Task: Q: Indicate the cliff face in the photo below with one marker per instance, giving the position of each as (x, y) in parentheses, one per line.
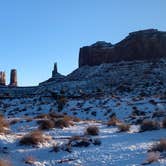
(141, 45)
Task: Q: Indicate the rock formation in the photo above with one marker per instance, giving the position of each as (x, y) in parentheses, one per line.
(56, 77)
(55, 70)
(141, 45)
(13, 78)
(2, 78)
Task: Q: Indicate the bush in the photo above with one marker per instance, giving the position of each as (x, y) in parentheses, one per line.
(123, 127)
(148, 125)
(29, 160)
(33, 138)
(152, 157)
(5, 163)
(46, 124)
(3, 124)
(113, 121)
(160, 146)
(61, 101)
(61, 123)
(92, 130)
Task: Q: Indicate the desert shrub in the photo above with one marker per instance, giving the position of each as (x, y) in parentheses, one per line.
(61, 101)
(61, 123)
(78, 141)
(33, 138)
(148, 125)
(113, 121)
(5, 163)
(29, 160)
(160, 146)
(46, 124)
(123, 127)
(164, 123)
(56, 148)
(92, 130)
(55, 115)
(3, 124)
(75, 119)
(152, 157)
(42, 116)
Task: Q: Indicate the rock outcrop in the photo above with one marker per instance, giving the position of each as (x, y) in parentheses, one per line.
(2, 78)
(141, 45)
(56, 77)
(13, 78)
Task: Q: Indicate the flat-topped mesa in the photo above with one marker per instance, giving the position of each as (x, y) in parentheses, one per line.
(147, 44)
(2, 78)
(13, 78)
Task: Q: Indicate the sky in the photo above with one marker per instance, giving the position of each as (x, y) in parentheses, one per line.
(36, 33)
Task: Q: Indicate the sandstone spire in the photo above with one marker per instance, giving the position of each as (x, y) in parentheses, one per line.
(2, 78)
(13, 77)
(55, 71)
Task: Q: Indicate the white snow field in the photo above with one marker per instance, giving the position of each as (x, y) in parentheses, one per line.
(116, 149)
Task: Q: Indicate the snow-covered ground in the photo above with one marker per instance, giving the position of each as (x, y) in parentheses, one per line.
(116, 149)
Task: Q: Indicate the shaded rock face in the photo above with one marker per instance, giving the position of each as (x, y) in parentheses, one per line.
(13, 78)
(141, 45)
(2, 78)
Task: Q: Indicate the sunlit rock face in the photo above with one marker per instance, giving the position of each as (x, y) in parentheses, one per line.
(141, 45)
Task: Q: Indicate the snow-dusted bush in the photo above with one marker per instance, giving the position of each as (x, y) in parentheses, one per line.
(113, 121)
(123, 127)
(151, 158)
(61, 123)
(4, 125)
(148, 125)
(29, 160)
(33, 138)
(160, 146)
(92, 130)
(46, 124)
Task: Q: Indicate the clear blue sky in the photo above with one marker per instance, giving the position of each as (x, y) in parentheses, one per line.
(36, 33)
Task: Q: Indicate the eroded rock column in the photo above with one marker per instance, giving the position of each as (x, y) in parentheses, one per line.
(13, 77)
(2, 78)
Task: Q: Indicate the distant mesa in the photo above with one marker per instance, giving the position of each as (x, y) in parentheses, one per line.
(147, 44)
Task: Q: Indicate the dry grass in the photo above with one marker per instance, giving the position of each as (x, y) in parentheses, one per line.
(123, 127)
(53, 120)
(46, 124)
(151, 158)
(29, 160)
(62, 123)
(33, 138)
(148, 125)
(92, 130)
(5, 163)
(113, 121)
(4, 125)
